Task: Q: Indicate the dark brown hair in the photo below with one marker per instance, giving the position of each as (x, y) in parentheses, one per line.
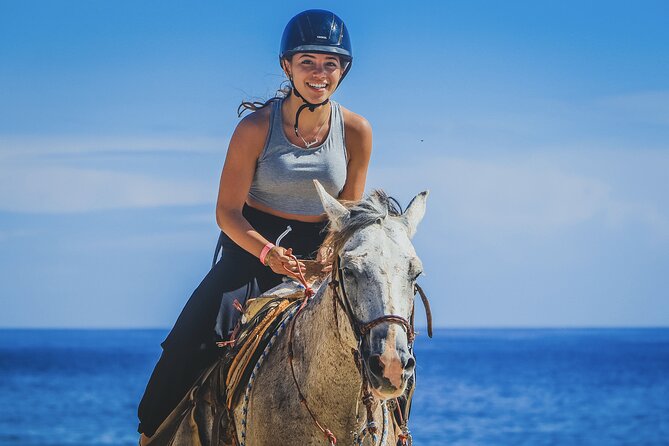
(283, 92)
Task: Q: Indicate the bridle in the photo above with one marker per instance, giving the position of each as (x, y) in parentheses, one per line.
(360, 329)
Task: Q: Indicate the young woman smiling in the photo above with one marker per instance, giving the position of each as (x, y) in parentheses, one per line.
(266, 191)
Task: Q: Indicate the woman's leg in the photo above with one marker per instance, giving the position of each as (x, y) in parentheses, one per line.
(189, 347)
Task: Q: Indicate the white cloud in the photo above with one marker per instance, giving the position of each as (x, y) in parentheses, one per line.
(22, 146)
(532, 196)
(29, 182)
(520, 196)
(170, 241)
(510, 192)
(647, 106)
(16, 233)
(67, 189)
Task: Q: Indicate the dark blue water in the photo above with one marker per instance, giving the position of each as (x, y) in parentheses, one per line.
(475, 387)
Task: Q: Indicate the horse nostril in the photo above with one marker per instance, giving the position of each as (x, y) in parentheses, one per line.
(375, 365)
(410, 364)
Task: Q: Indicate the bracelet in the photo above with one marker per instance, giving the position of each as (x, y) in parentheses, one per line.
(263, 254)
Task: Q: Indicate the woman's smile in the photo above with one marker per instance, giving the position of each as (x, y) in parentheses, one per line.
(318, 87)
(319, 73)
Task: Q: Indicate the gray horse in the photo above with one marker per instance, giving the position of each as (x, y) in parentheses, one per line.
(333, 368)
(367, 312)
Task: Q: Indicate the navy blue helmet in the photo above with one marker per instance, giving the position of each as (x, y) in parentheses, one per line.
(317, 31)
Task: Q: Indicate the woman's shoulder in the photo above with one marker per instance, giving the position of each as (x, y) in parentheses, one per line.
(252, 129)
(257, 119)
(354, 122)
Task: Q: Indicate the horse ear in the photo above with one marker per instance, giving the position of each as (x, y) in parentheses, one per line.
(335, 210)
(415, 212)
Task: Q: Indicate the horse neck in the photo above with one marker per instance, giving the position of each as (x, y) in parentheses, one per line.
(323, 343)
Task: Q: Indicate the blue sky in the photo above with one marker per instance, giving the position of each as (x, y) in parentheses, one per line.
(541, 129)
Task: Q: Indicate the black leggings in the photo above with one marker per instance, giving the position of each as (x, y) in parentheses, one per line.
(209, 315)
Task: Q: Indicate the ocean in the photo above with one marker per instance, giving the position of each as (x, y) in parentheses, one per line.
(475, 387)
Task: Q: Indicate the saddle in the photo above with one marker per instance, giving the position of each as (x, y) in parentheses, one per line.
(260, 320)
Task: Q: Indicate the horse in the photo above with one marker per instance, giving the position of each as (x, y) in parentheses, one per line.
(354, 333)
(334, 369)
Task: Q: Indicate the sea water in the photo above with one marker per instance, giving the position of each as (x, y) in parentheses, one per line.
(475, 387)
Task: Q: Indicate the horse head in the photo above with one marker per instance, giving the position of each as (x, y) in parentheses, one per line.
(375, 272)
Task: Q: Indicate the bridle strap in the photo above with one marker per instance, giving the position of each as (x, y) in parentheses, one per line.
(393, 319)
(428, 311)
(360, 329)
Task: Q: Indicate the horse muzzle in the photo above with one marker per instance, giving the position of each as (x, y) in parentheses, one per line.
(388, 368)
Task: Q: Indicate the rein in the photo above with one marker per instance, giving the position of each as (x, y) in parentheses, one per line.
(308, 294)
(360, 329)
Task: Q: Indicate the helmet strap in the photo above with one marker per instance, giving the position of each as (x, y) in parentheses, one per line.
(307, 104)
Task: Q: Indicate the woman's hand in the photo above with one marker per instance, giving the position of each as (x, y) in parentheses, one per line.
(278, 257)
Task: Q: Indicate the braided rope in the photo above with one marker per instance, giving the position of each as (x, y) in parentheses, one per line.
(359, 438)
(404, 438)
(386, 422)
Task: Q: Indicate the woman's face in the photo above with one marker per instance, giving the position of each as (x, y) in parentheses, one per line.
(315, 75)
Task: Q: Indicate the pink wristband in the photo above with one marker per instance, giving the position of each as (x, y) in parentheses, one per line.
(268, 247)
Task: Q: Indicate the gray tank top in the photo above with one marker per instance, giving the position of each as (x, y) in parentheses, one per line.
(284, 173)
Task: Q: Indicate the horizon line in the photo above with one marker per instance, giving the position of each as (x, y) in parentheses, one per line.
(422, 330)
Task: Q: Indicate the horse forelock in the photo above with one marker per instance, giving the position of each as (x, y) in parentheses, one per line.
(378, 206)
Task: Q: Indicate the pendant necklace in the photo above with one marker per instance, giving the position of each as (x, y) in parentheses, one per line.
(318, 133)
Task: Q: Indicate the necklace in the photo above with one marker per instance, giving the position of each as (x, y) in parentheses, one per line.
(318, 133)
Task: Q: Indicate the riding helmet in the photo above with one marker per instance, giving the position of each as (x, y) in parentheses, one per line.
(317, 31)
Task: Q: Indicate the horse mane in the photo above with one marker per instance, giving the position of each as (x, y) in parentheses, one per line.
(377, 206)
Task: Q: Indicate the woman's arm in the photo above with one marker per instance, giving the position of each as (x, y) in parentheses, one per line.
(245, 147)
(359, 148)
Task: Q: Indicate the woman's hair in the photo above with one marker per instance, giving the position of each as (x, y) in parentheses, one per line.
(283, 92)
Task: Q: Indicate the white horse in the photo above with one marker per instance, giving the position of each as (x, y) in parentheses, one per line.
(351, 343)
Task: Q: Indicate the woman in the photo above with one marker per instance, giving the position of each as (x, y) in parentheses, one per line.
(267, 186)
